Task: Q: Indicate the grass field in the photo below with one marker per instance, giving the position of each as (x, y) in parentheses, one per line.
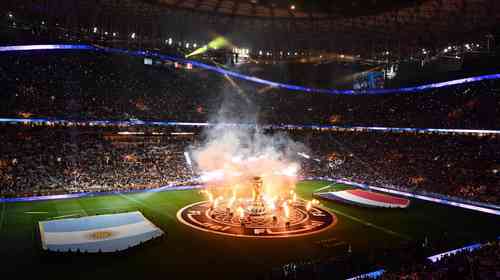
(186, 252)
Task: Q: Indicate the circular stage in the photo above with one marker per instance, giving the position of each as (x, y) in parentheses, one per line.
(301, 222)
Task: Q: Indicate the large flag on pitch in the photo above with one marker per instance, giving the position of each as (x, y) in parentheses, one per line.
(367, 198)
(102, 233)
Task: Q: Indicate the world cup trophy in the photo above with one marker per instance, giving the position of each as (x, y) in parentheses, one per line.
(257, 207)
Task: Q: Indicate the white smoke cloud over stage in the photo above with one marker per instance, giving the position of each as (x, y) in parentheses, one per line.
(231, 156)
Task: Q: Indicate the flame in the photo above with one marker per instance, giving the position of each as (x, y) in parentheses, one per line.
(271, 202)
(232, 157)
(272, 206)
(210, 196)
(309, 206)
(286, 210)
(241, 212)
(231, 202)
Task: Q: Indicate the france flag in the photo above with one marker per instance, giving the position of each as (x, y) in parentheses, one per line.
(102, 233)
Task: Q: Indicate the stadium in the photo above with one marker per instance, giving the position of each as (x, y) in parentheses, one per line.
(250, 139)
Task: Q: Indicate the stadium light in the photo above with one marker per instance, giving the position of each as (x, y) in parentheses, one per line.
(170, 41)
(94, 29)
(215, 44)
(114, 34)
(132, 35)
(292, 7)
(11, 16)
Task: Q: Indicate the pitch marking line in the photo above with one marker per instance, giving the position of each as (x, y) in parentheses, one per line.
(2, 216)
(127, 208)
(65, 216)
(388, 231)
(34, 212)
(136, 201)
(322, 188)
(81, 211)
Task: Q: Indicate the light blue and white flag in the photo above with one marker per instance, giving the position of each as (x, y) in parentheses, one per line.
(102, 233)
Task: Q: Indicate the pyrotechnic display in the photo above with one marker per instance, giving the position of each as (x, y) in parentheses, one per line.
(250, 182)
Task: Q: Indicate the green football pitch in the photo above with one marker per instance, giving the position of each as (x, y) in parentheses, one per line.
(186, 253)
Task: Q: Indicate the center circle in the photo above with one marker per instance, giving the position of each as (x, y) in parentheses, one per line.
(301, 222)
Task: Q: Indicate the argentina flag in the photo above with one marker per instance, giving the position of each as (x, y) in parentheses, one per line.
(102, 233)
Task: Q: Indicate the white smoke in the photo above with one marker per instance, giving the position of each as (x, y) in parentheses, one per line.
(231, 155)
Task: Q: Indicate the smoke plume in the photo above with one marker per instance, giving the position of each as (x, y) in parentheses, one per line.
(231, 155)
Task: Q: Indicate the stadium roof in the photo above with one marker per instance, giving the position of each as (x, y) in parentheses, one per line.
(357, 27)
(286, 8)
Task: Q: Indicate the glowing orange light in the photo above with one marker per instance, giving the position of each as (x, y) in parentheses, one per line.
(231, 202)
(309, 206)
(272, 206)
(241, 212)
(286, 210)
(210, 197)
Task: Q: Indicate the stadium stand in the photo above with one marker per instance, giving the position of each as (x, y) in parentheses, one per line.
(461, 166)
(86, 85)
(57, 162)
(478, 264)
(54, 159)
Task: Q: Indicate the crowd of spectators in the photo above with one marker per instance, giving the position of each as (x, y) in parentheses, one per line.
(479, 264)
(87, 85)
(455, 165)
(91, 85)
(84, 85)
(59, 162)
(64, 160)
(404, 263)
